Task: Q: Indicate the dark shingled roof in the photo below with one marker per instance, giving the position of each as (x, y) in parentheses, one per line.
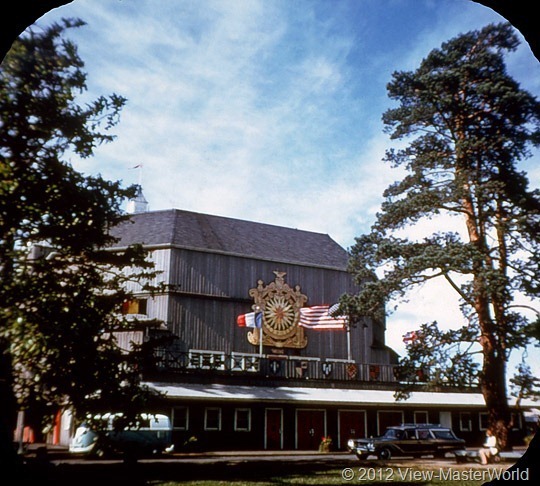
(196, 231)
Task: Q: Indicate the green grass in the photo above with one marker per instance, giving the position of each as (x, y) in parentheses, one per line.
(403, 474)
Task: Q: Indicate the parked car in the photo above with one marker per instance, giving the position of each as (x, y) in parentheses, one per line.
(100, 437)
(408, 440)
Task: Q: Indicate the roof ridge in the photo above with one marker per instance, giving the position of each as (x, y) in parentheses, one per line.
(213, 233)
(238, 219)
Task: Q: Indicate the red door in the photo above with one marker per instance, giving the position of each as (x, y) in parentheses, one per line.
(388, 419)
(309, 429)
(274, 429)
(352, 425)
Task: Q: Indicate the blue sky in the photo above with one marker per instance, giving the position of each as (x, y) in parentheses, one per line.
(269, 110)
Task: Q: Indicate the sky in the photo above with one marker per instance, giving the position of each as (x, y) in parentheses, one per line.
(270, 110)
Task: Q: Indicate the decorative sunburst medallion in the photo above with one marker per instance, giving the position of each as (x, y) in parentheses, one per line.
(280, 306)
(279, 316)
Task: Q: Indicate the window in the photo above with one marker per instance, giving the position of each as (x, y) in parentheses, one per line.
(515, 417)
(409, 434)
(483, 420)
(242, 419)
(143, 423)
(212, 419)
(134, 306)
(516, 420)
(180, 418)
(392, 434)
(465, 422)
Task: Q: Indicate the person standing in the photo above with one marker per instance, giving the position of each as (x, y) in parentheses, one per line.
(489, 449)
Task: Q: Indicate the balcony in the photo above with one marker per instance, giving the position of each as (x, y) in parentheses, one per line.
(196, 361)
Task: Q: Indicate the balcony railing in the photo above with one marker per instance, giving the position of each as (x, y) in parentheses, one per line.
(271, 366)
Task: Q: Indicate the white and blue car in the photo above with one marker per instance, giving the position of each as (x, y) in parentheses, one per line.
(100, 437)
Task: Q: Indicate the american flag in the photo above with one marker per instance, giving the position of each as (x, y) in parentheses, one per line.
(321, 317)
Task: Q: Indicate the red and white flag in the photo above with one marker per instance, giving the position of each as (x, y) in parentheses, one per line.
(320, 317)
(410, 337)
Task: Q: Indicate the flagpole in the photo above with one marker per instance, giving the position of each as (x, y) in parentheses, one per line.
(257, 310)
(260, 341)
(349, 354)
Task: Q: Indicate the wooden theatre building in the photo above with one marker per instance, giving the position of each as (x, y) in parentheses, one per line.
(225, 387)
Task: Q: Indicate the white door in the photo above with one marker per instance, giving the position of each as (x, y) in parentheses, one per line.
(445, 419)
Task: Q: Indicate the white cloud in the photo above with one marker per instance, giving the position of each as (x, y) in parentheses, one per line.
(268, 110)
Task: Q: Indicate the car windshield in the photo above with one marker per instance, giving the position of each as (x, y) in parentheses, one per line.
(393, 434)
(443, 434)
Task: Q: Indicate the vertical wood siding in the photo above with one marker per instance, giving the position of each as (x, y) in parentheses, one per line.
(210, 290)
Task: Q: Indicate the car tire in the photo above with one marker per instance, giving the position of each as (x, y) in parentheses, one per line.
(384, 454)
(362, 457)
(101, 450)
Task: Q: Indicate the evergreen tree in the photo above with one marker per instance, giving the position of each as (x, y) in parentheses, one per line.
(466, 125)
(61, 290)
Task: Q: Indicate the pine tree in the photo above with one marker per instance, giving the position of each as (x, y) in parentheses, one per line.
(61, 289)
(466, 124)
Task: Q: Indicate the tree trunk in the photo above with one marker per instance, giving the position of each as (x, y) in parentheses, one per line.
(493, 375)
(9, 460)
(497, 403)
(493, 381)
